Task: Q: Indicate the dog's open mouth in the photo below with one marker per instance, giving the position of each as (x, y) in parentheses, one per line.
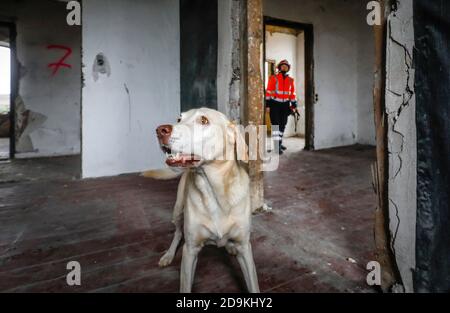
(178, 159)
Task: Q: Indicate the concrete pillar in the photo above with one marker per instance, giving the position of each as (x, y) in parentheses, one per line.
(228, 59)
(252, 86)
(380, 170)
(402, 140)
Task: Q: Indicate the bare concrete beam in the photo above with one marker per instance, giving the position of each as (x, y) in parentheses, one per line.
(402, 140)
(253, 87)
(380, 170)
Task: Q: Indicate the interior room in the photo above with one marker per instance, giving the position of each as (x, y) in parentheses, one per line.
(79, 106)
(119, 102)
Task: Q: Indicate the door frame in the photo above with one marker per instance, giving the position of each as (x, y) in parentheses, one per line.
(308, 30)
(13, 86)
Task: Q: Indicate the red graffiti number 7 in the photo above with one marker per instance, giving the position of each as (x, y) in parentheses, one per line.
(60, 62)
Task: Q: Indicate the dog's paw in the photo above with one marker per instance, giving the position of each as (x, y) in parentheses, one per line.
(166, 259)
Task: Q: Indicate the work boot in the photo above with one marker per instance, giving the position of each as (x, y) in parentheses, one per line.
(280, 148)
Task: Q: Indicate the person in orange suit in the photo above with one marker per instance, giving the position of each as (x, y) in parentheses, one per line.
(281, 100)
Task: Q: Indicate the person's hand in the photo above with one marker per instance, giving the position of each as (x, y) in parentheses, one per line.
(268, 110)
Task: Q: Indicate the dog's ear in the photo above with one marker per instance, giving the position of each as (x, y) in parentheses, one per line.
(237, 137)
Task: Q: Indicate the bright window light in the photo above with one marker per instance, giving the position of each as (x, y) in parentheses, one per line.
(5, 69)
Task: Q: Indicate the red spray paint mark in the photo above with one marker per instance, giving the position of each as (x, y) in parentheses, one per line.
(60, 62)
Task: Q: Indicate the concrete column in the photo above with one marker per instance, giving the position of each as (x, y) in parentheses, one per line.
(380, 171)
(252, 88)
(402, 141)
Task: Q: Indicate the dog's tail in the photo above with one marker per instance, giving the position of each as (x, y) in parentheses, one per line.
(162, 174)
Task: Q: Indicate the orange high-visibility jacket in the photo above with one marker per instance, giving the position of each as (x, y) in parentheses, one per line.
(281, 88)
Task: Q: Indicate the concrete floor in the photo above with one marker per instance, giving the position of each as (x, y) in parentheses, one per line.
(4, 148)
(40, 169)
(317, 238)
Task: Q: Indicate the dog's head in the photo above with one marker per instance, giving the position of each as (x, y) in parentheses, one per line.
(201, 136)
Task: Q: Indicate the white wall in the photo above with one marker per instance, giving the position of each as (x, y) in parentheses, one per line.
(52, 103)
(280, 46)
(301, 81)
(337, 42)
(140, 39)
(300, 75)
(366, 57)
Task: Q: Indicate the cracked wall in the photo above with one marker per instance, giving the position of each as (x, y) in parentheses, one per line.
(48, 102)
(228, 59)
(400, 110)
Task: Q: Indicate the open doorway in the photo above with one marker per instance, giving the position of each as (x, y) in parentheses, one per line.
(40, 109)
(285, 40)
(6, 110)
(325, 195)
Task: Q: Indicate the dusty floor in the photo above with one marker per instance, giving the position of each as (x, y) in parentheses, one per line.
(117, 228)
(4, 148)
(22, 170)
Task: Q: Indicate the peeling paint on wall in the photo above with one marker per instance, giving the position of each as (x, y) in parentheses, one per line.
(400, 109)
(27, 122)
(235, 82)
(229, 62)
(48, 112)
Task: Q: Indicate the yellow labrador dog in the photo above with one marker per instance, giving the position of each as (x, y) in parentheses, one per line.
(213, 200)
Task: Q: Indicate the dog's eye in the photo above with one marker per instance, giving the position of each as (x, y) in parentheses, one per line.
(204, 120)
(179, 119)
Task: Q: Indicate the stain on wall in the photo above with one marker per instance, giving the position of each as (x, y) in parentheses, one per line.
(27, 122)
(101, 66)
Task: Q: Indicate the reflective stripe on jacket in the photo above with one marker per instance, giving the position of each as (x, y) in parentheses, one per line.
(281, 88)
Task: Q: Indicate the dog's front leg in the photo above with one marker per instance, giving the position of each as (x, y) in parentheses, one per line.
(245, 259)
(167, 258)
(188, 264)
